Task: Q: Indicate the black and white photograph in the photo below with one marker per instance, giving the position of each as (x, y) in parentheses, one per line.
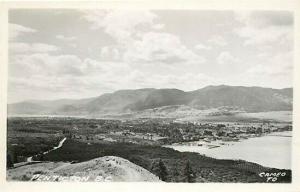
(150, 95)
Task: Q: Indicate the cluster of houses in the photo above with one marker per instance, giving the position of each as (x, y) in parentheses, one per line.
(177, 132)
(231, 132)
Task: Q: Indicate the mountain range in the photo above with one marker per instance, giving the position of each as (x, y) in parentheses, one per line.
(249, 99)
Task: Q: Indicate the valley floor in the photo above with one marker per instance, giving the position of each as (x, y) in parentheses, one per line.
(138, 141)
(204, 169)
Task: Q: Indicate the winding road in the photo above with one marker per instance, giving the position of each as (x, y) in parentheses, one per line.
(60, 144)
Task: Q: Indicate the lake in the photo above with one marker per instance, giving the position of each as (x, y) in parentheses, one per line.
(273, 150)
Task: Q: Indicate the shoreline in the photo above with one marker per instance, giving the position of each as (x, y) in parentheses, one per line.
(220, 149)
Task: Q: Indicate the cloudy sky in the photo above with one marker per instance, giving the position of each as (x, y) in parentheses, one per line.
(83, 53)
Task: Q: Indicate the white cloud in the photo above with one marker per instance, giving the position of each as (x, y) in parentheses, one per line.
(68, 74)
(65, 38)
(225, 58)
(202, 46)
(109, 53)
(94, 85)
(269, 71)
(259, 36)
(19, 47)
(281, 64)
(265, 18)
(158, 26)
(135, 79)
(162, 48)
(54, 66)
(136, 34)
(121, 24)
(260, 28)
(218, 40)
(16, 30)
(45, 64)
(271, 33)
(65, 76)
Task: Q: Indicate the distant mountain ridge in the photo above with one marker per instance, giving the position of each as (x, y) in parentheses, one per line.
(250, 99)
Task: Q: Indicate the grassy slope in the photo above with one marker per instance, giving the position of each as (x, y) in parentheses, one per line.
(109, 167)
(206, 169)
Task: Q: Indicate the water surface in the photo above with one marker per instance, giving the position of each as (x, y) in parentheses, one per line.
(273, 150)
